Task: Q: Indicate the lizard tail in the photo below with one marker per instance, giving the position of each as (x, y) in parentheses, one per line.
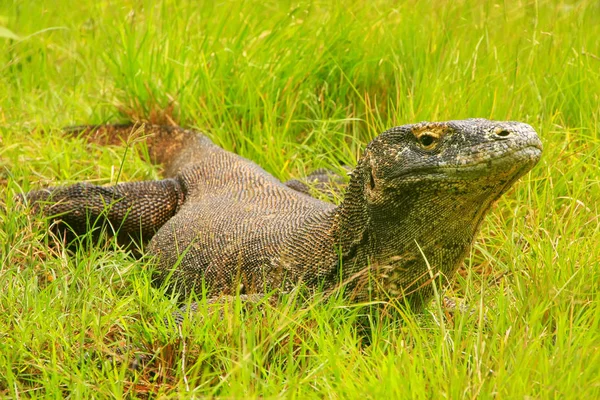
(169, 146)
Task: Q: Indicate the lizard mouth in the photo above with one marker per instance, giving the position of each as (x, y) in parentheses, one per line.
(516, 162)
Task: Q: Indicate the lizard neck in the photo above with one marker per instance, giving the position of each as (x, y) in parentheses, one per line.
(396, 244)
(351, 227)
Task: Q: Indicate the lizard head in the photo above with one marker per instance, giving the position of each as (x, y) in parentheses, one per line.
(421, 191)
(453, 157)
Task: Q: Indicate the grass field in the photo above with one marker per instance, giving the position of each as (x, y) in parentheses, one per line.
(297, 86)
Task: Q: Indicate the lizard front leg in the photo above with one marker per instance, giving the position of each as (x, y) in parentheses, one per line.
(133, 211)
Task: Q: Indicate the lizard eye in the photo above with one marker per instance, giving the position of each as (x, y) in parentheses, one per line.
(500, 132)
(427, 141)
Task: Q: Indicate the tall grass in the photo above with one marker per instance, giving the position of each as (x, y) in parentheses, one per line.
(296, 86)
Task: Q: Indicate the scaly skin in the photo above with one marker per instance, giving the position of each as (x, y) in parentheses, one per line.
(411, 210)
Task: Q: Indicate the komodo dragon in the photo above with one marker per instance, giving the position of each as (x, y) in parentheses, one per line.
(218, 221)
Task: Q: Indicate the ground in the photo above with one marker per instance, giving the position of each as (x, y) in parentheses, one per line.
(296, 87)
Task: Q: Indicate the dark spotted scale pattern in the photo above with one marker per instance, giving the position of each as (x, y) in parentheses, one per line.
(220, 223)
(127, 209)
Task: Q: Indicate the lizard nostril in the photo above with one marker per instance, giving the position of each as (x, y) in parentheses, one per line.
(503, 133)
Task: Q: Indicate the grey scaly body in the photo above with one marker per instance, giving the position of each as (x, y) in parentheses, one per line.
(411, 210)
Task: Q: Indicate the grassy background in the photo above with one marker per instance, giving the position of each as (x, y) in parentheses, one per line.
(296, 86)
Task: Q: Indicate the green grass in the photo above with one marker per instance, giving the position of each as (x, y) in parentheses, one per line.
(295, 87)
